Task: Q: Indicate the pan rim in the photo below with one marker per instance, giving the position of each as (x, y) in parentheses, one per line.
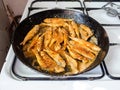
(57, 10)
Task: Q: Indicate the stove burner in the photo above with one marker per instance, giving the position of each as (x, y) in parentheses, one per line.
(112, 9)
(111, 12)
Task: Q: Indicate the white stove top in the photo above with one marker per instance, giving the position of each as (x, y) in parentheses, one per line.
(112, 62)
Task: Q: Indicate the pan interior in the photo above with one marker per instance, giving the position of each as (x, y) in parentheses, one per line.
(29, 22)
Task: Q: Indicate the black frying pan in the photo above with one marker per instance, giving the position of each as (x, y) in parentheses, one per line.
(79, 17)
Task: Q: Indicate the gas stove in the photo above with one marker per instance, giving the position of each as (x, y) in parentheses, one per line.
(105, 76)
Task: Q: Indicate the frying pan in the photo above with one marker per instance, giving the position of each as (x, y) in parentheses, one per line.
(26, 25)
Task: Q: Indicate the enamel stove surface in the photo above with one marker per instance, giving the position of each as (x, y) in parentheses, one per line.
(106, 76)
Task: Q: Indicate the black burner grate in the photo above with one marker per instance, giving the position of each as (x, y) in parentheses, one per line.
(111, 44)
